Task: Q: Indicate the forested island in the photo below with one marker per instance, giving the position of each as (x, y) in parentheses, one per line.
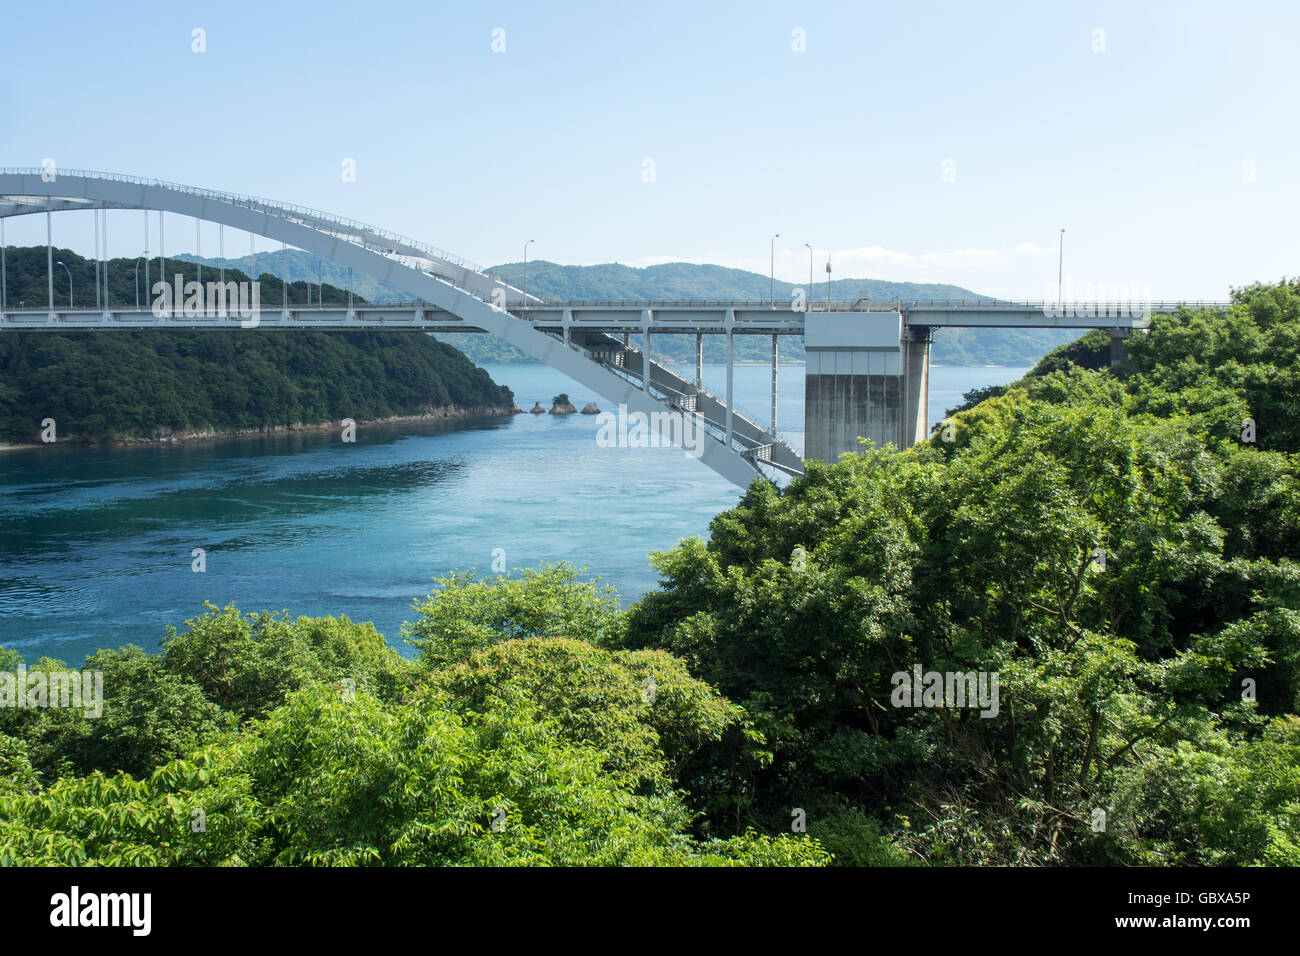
(1119, 548)
(150, 385)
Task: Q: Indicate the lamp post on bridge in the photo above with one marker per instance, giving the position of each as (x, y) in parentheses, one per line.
(772, 270)
(69, 272)
(525, 289)
(1060, 267)
(810, 265)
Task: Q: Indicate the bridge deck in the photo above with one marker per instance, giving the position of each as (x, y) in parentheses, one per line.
(751, 318)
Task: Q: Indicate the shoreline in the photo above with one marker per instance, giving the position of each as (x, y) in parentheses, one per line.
(443, 413)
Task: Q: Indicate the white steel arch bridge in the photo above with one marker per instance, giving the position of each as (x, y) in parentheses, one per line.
(869, 371)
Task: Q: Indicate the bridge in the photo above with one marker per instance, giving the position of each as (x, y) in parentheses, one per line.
(867, 372)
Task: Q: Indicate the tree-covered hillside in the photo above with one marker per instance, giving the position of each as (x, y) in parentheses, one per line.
(146, 383)
(1121, 548)
(129, 280)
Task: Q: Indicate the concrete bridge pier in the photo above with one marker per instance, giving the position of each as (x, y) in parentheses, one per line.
(916, 385)
(867, 376)
(1118, 351)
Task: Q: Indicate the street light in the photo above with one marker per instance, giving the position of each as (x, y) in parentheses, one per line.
(1060, 265)
(810, 261)
(525, 289)
(772, 273)
(69, 272)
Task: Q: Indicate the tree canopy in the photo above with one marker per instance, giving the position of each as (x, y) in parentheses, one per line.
(1113, 552)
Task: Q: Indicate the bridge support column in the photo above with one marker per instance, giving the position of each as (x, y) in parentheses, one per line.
(699, 360)
(773, 384)
(916, 378)
(646, 317)
(1118, 351)
(853, 386)
(104, 246)
(49, 259)
(731, 365)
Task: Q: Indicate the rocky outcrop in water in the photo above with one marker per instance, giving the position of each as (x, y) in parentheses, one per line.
(537, 409)
(590, 409)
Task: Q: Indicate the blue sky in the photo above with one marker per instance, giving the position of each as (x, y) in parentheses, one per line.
(914, 141)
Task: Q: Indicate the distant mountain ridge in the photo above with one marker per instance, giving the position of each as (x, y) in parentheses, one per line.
(609, 281)
(683, 280)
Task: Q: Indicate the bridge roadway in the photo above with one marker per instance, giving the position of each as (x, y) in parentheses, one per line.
(685, 317)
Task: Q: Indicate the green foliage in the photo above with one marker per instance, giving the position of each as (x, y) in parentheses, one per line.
(1120, 686)
(1217, 798)
(1090, 351)
(248, 664)
(466, 614)
(1199, 360)
(332, 780)
(150, 715)
(224, 669)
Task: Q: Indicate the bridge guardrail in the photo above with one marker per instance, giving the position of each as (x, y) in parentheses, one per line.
(846, 305)
(689, 304)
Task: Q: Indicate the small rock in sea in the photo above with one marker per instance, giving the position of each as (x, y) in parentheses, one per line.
(537, 409)
(590, 409)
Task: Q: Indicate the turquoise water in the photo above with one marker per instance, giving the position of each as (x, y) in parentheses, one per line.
(95, 544)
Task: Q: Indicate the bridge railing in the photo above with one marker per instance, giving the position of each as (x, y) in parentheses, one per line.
(685, 304)
(862, 305)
